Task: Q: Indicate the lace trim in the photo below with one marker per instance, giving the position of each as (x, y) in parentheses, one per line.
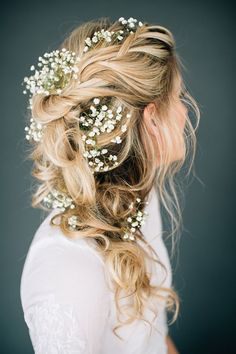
(54, 328)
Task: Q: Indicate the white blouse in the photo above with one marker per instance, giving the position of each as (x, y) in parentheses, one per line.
(67, 303)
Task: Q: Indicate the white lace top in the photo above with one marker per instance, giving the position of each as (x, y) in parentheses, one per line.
(68, 305)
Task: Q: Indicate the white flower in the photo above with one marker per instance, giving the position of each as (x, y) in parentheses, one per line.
(126, 236)
(118, 117)
(123, 128)
(93, 152)
(119, 109)
(89, 141)
(85, 154)
(92, 133)
(72, 221)
(96, 100)
(117, 140)
(134, 223)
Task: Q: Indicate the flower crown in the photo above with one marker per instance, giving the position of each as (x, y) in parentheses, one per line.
(56, 70)
(60, 201)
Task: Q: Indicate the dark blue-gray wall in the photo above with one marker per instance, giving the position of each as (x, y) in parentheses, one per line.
(205, 273)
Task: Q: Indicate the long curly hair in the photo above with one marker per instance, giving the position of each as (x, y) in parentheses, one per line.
(141, 69)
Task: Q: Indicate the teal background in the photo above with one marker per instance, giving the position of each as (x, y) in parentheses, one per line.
(204, 273)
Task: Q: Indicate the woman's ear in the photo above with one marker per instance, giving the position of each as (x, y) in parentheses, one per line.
(148, 113)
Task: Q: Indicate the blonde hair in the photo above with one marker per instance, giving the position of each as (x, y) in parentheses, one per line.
(140, 69)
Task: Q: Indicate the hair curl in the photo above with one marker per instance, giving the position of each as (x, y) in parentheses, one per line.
(141, 69)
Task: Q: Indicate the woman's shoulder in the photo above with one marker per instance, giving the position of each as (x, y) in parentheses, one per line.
(47, 234)
(60, 265)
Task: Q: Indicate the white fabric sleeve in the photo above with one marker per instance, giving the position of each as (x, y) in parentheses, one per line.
(65, 298)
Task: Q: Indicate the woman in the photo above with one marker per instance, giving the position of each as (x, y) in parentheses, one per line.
(108, 131)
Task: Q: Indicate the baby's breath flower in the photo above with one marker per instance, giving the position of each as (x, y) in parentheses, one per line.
(58, 200)
(117, 140)
(135, 221)
(130, 24)
(108, 36)
(98, 119)
(34, 131)
(124, 128)
(101, 35)
(72, 221)
(55, 71)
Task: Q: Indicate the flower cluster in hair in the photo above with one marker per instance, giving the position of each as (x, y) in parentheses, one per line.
(58, 200)
(34, 131)
(99, 35)
(132, 222)
(98, 120)
(56, 70)
(129, 25)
